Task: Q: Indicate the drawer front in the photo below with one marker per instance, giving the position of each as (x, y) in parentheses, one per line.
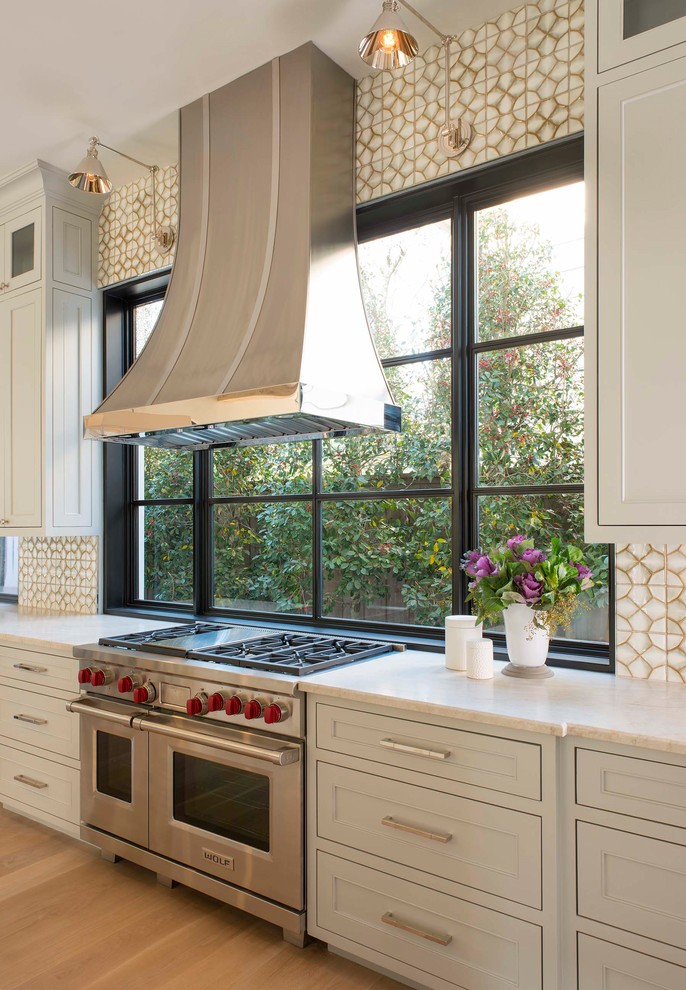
(38, 720)
(475, 844)
(453, 754)
(632, 882)
(40, 784)
(642, 788)
(603, 966)
(444, 937)
(39, 669)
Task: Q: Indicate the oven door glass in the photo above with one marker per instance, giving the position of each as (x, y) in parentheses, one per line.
(114, 775)
(223, 800)
(236, 817)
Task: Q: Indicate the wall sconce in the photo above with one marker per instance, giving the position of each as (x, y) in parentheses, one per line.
(91, 177)
(389, 45)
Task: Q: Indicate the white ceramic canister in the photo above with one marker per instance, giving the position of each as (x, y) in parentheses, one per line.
(458, 629)
(480, 659)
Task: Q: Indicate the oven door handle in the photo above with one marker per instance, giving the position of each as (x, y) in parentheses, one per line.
(281, 757)
(82, 706)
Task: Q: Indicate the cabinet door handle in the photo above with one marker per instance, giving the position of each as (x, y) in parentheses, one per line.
(424, 833)
(433, 754)
(31, 719)
(33, 668)
(388, 919)
(23, 779)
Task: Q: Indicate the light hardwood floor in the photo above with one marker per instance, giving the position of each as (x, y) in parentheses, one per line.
(70, 921)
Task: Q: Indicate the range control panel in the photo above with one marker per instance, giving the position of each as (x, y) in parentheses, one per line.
(244, 707)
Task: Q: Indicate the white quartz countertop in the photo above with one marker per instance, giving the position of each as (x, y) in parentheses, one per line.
(59, 633)
(573, 702)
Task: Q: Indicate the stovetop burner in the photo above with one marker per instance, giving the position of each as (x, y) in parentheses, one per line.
(293, 653)
(250, 646)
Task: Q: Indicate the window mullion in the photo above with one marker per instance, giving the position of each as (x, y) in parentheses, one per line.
(317, 541)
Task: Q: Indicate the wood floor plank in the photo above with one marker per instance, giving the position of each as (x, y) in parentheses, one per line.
(71, 921)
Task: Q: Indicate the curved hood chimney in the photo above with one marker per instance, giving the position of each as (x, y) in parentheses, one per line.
(263, 336)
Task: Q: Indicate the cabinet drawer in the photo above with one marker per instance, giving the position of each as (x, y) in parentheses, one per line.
(39, 720)
(42, 669)
(470, 843)
(632, 882)
(41, 784)
(642, 788)
(453, 754)
(445, 937)
(603, 966)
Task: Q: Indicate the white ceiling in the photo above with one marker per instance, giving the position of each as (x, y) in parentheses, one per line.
(121, 70)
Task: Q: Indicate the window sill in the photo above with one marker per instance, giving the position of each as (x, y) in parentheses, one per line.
(556, 657)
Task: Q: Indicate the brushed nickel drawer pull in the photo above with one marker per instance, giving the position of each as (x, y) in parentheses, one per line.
(435, 836)
(23, 779)
(31, 719)
(32, 668)
(433, 754)
(388, 919)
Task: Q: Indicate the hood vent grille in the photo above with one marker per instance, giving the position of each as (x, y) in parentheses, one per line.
(263, 336)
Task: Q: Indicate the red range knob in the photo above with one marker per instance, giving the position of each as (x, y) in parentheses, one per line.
(253, 709)
(234, 706)
(98, 678)
(275, 713)
(125, 685)
(197, 705)
(215, 702)
(84, 675)
(144, 695)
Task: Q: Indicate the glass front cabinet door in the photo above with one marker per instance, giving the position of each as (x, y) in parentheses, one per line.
(20, 251)
(630, 29)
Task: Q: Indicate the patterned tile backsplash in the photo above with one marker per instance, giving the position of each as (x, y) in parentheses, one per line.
(126, 247)
(651, 612)
(518, 81)
(59, 574)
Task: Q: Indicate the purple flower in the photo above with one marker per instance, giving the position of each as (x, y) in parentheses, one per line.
(478, 565)
(513, 544)
(533, 557)
(585, 576)
(529, 588)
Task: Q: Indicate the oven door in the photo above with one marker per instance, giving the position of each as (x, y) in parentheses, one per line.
(114, 769)
(229, 803)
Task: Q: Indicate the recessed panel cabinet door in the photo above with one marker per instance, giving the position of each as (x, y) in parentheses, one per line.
(641, 314)
(21, 347)
(72, 399)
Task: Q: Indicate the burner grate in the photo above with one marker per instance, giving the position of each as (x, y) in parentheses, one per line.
(293, 653)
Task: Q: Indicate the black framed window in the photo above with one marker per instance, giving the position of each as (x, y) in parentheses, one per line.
(474, 291)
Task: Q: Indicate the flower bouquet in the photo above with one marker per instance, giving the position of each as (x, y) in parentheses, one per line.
(535, 592)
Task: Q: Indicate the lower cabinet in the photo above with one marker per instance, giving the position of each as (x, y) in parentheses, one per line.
(626, 899)
(603, 966)
(426, 848)
(39, 739)
(443, 937)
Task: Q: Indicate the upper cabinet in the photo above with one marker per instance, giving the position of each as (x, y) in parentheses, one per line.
(631, 29)
(50, 365)
(635, 475)
(20, 251)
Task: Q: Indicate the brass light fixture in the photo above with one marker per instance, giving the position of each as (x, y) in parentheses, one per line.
(389, 45)
(91, 177)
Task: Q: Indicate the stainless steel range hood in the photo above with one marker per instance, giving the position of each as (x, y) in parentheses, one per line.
(263, 335)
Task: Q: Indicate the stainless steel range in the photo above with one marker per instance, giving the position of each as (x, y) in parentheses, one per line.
(192, 753)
